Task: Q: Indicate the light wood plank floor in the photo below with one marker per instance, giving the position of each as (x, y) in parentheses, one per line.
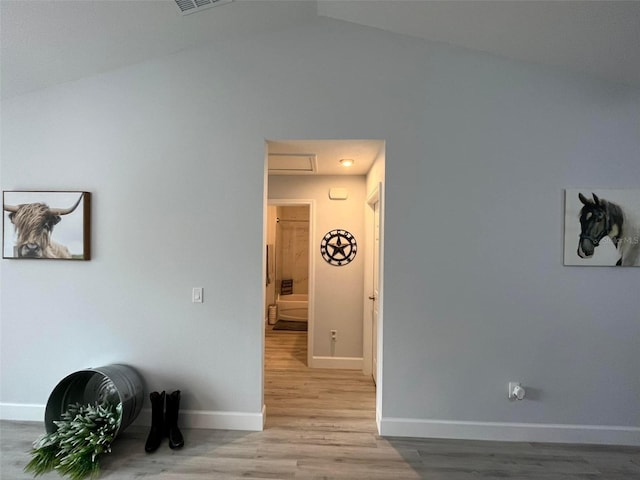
(320, 425)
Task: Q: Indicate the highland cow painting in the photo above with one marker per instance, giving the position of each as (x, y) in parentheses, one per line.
(602, 227)
(46, 225)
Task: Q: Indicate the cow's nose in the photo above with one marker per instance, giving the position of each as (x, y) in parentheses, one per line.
(30, 250)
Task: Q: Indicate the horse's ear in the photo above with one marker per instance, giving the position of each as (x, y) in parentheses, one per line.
(583, 199)
(595, 199)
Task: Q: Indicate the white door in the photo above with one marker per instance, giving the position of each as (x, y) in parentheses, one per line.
(376, 286)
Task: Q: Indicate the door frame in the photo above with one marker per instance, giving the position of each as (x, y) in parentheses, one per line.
(367, 349)
(374, 196)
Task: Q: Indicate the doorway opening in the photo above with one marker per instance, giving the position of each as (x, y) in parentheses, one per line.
(289, 285)
(291, 252)
(323, 231)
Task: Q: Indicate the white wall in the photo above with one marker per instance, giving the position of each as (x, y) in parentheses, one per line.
(338, 291)
(474, 259)
(478, 151)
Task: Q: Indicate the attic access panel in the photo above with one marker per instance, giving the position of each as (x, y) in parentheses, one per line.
(292, 163)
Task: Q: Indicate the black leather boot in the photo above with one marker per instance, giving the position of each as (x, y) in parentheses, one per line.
(171, 419)
(156, 434)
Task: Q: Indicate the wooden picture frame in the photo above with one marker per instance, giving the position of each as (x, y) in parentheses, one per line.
(48, 225)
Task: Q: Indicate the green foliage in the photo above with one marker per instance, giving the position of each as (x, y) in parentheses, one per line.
(83, 434)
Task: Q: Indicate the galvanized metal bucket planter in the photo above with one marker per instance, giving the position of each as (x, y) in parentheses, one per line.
(113, 383)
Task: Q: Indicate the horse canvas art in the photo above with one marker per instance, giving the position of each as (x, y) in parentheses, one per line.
(602, 227)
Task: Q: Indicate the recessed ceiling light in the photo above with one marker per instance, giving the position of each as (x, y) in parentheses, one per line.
(347, 162)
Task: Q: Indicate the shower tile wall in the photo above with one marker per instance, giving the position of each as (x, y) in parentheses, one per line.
(292, 247)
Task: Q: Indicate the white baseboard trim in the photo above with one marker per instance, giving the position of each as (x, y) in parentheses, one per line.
(514, 432)
(388, 427)
(22, 412)
(188, 418)
(211, 420)
(341, 363)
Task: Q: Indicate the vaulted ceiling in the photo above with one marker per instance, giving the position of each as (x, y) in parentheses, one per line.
(599, 38)
(45, 42)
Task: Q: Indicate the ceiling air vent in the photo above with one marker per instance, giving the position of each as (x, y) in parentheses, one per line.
(192, 6)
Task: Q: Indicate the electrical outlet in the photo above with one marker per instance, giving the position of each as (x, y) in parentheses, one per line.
(334, 335)
(516, 391)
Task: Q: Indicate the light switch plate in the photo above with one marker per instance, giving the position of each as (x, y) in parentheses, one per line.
(196, 295)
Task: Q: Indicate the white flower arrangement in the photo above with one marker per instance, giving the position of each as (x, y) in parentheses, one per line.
(83, 434)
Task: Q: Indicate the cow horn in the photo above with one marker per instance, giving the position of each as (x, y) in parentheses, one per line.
(65, 211)
(10, 208)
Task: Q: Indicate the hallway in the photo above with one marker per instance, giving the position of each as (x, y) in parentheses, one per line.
(297, 396)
